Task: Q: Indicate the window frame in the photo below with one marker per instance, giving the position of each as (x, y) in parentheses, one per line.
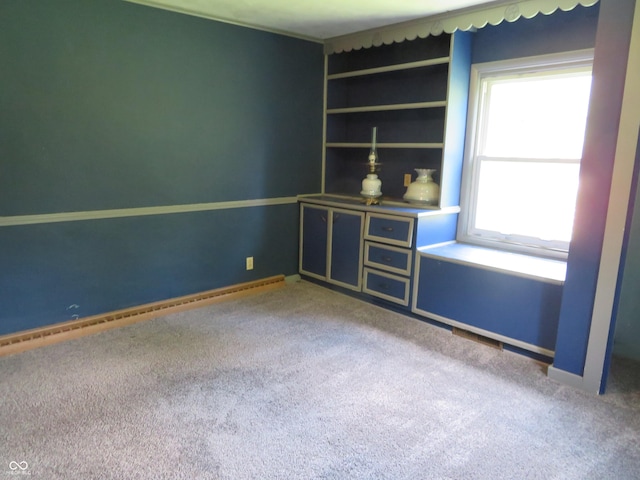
(565, 61)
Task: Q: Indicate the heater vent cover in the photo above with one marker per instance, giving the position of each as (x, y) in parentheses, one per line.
(490, 342)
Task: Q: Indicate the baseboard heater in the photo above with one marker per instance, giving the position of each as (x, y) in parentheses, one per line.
(477, 338)
(59, 332)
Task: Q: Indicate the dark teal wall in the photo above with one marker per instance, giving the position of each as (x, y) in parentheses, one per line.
(110, 105)
(627, 319)
(105, 265)
(107, 104)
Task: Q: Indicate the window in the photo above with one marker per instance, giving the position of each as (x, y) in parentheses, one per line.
(524, 144)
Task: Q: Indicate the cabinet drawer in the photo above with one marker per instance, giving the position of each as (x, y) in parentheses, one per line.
(386, 257)
(387, 286)
(389, 229)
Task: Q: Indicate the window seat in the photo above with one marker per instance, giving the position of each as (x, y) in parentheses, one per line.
(527, 266)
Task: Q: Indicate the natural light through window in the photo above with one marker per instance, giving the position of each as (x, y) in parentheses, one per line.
(525, 157)
(537, 117)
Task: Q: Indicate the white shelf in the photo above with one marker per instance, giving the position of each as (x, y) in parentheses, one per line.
(384, 108)
(383, 145)
(390, 68)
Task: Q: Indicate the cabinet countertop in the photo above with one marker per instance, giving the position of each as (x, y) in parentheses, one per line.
(390, 206)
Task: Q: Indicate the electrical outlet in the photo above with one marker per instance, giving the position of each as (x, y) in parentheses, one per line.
(249, 263)
(407, 179)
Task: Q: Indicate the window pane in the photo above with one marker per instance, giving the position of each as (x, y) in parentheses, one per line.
(533, 199)
(542, 117)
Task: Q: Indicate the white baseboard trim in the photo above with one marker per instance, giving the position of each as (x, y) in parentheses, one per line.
(39, 337)
(485, 333)
(568, 378)
(292, 278)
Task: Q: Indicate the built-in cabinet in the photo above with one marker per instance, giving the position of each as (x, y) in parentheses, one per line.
(407, 259)
(331, 245)
(401, 255)
(509, 297)
(368, 249)
(415, 93)
(388, 257)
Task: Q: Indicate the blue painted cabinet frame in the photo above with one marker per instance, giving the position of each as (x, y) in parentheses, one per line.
(331, 245)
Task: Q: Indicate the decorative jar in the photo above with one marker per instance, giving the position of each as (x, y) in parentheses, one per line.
(371, 186)
(423, 190)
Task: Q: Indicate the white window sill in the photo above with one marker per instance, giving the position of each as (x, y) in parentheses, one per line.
(528, 266)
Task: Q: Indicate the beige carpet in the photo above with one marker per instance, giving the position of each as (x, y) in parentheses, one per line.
(302, 383)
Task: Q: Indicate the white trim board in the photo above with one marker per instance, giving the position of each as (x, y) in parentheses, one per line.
(567, 378)
(485, 333)
(16, 220)
(465, 19)
(509, 263)
(624, 161)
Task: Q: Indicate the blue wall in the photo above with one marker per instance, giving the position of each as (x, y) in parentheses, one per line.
(606, 27)
(111, 105)
(540, 35)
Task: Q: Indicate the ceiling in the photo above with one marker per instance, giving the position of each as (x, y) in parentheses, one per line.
(313, 19)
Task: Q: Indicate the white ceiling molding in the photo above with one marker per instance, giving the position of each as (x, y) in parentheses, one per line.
(467, 19)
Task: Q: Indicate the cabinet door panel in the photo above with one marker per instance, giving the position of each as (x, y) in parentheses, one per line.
(346, 248)
(313, 244)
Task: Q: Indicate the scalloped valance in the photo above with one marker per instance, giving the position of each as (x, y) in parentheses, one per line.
(467, 19)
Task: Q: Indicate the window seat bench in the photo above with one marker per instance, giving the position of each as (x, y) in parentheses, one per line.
(509, 297)
(543, 269)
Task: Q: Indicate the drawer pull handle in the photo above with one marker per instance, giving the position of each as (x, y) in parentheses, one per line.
(387, 229)
(384, 286)
(386, 259)
(323, 218)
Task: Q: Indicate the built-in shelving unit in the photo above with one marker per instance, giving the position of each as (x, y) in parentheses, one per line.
(406, 91)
